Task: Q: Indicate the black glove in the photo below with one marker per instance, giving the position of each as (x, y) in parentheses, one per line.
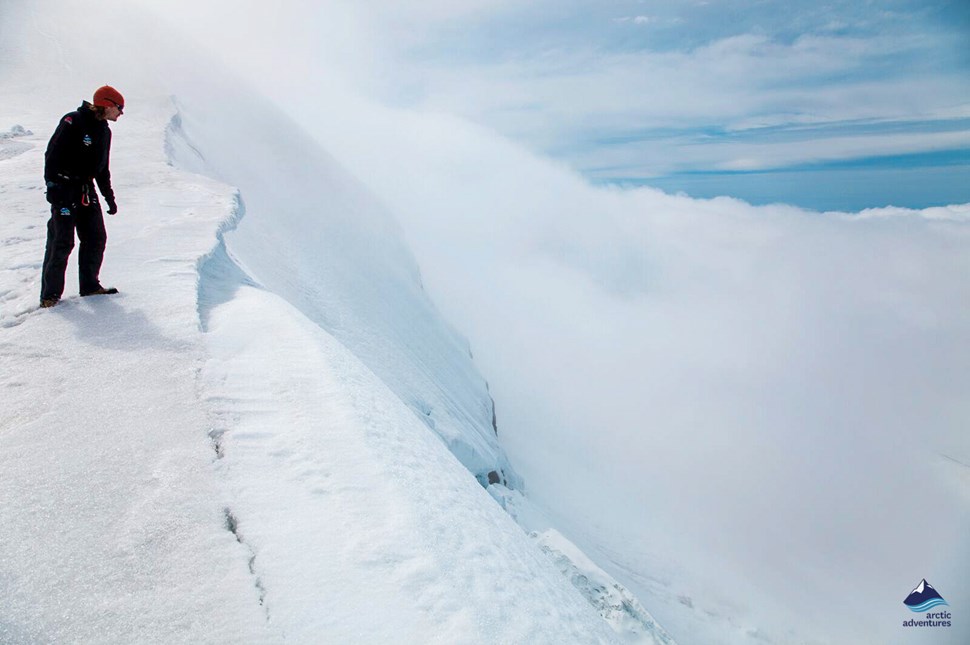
(112, 207)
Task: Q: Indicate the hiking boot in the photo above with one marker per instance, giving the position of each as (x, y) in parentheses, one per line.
(100, 291)
(48, 302)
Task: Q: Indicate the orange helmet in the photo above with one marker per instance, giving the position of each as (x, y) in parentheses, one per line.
(108, 96)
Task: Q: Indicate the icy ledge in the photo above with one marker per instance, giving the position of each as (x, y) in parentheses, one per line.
(615, 603)
(311, 234)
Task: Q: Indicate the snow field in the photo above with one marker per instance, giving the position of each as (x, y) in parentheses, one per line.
(112, 514)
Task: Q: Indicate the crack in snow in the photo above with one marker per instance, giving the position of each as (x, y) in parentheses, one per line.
(232, 525)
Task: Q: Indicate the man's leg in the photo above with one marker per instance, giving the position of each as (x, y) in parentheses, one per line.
(60, 243)
(93, 237)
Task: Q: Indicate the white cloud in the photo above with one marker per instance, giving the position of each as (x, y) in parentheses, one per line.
(567, 96)
(636, 20)
(837, 148)
(647, 158)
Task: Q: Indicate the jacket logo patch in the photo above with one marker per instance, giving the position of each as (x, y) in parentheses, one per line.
(87, 140)
(68, 120)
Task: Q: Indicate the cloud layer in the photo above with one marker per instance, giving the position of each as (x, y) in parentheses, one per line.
(748, 392)
(767, 399)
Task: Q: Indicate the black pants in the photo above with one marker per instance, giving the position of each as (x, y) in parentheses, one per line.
(89, 223)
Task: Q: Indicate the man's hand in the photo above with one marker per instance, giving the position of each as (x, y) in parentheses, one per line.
(112, 207)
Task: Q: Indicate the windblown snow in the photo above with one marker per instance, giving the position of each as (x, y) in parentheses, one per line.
(270, 434)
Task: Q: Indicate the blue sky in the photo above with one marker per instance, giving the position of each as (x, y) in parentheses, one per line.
(833, 105)
(839, 105)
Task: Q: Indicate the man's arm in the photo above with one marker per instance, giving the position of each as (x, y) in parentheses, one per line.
(104, 178)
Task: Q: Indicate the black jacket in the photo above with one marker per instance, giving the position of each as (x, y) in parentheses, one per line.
(78, 153)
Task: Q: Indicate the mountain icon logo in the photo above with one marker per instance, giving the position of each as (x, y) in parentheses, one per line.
(924, 597)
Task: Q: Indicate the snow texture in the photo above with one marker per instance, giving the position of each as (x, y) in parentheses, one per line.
(315, 237)
(113, 523)
(613, 601)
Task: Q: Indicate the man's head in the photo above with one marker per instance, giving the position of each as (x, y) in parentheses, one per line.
(111, 102)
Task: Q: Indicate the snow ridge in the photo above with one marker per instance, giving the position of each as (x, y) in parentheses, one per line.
(9, 147)
(613, 601)
(312, 235)
(219, 274)
(616, 604)
(268, 448)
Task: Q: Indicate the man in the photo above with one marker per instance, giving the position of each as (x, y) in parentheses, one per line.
(76, 158)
